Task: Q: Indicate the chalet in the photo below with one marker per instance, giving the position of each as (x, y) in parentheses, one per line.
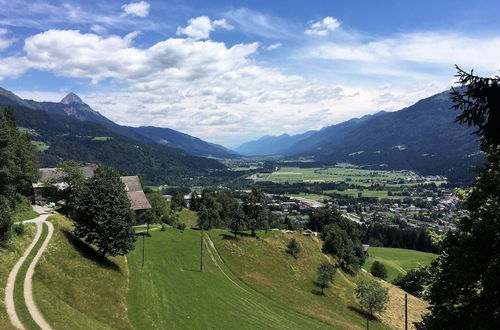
(138, 200)
(50, 176)
(309, 232)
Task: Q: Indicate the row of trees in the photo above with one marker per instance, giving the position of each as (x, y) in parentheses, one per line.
(219, 209)
(405, 238)
(18, 169)
(342, 237)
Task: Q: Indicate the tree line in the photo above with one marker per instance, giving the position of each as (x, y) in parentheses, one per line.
(18, 169)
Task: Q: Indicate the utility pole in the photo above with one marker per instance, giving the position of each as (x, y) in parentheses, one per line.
(201, 250)
(406, 311)
(143, 250)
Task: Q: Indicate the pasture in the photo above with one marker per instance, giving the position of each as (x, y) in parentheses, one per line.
(397, 261)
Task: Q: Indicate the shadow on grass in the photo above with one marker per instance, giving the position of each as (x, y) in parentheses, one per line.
(363, 313)
(317, 292)
(89, 253)
(238, 235)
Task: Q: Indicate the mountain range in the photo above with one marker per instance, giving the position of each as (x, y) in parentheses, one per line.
(423, 137)
(71, 130)
(73, 106)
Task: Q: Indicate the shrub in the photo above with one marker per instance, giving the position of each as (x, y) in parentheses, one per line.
(378, 269)
(19, 229)
(293, 248)
(163, 227)
(181, 226)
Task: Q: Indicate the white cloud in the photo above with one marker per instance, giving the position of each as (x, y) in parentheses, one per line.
(201, 26)
(259, 24)
(274, 46)
(5, 41)
(436, 48)
(139, 9)
(99, 29)
(323, 27)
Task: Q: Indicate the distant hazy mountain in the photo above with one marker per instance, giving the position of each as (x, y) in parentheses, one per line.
(72, 106)
(327, 137)
(423, 137)
(271, 145)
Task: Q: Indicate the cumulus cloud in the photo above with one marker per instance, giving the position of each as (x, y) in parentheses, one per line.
(274, 46)
(139, 9)
(5, 41)
(201, 26)
(323, 27)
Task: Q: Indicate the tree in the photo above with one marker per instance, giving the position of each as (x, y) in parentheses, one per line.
(237, 222)
(464, 289)
(73, 179)
(104, 217)
(293, 248)
(178, 201)
(148, 217)
(339, 243)
(194, 203)
(5, 221)
(159, 204)
(254, 205)
(414, 281)
(325, 273)
(18, 160)
(378, 270)
(372, 296)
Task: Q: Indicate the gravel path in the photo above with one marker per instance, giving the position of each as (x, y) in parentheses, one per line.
(28, 290)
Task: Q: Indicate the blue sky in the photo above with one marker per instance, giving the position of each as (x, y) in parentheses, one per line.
(230, 71)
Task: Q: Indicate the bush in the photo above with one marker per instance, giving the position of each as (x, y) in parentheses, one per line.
(293, 248)
(378, 269)
(19, 229)
(414, 281)
(163, 227)
(181, 226)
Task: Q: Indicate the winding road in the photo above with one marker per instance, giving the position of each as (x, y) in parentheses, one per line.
(27, 283)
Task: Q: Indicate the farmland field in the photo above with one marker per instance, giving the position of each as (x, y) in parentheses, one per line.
(331, 174)
(364, 193)
(397, 261)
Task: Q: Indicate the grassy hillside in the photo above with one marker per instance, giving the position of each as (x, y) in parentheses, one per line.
(8, 258)
(265, 266)
(397, 261)
(75, 288)
(188, 217)
(23, 210)
(169, 292)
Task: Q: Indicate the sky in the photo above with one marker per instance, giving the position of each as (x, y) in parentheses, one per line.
(233, 71)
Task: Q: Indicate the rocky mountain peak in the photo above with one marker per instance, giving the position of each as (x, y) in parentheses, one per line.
(71, 98)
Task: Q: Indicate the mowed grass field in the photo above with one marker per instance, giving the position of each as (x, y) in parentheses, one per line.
(170, 292)
(76, 288)
(266, 267)
(397, 261)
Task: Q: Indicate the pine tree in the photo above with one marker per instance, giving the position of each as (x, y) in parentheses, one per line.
(104, 217)
(465, 290)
